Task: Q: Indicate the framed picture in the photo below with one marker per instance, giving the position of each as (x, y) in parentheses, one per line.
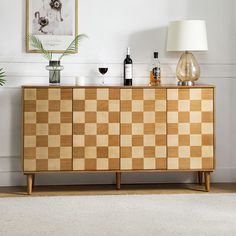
(54, 22)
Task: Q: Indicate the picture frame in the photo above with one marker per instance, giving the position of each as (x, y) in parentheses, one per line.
(54, 22)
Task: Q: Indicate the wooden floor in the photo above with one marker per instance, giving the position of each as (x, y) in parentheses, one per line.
(111, 190)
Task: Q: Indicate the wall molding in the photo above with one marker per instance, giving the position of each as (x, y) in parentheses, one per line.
(74, 59)
(19, 74)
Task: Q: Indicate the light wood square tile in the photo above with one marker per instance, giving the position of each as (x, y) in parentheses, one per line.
(79, 164)
(102, 117)
(149, 140)
(78, 140)
(90, 152)
(207, 128)
(184, 128)
(161, 152)
(173, 163)
(102, 164)
(207, 151)
(114, 105)
(137, 152)
(126, 164)
(79, 94)
(207, 105)
(66, 152)
(54, 141)
(195, 163)
(114, 129)
(195, 94)
(172, 94)
(184, 105)
(66, 129)
(160, 105)
(42, 153)
(29, 141)
(30, 94)
(114, 152)
(54, 94)
(126, 117)
(137, 129)
(126, 94)
(173, 117)
(66, 106)
(195, 140)
(126, 141)
(102, 140)
(90, 129)
(54, 164)
(41, 129)
(90, 105)
(42, 106)
(79, 117)
(29, 165)
(149, 94)
(149, 117)
(173, 140)
(54, 117)
(160, 128)
(137, 106)
(103, 94)
(195, 117)
(30, 117)
(184, 152)
(149, 163)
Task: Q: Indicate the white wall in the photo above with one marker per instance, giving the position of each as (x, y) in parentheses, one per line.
(112, 26)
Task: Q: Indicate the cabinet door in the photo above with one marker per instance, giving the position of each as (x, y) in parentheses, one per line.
(47, 129)
(190, 128)
(96, 115)
(143, 129)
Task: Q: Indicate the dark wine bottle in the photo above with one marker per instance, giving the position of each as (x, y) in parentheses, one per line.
(128, 69)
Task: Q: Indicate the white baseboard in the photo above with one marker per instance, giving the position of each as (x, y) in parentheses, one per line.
(11, 175)
(220, 175)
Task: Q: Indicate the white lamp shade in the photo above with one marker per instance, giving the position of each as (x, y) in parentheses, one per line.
(189, 35)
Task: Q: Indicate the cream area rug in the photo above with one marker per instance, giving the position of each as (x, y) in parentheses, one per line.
(200, 214)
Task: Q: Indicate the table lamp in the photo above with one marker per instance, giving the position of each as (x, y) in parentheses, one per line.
(187, 36)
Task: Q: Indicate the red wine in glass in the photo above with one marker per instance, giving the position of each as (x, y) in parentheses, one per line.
(103, 69)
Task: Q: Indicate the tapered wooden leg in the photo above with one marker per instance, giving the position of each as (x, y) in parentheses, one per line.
(200, 177)
(33, 180)
(118, 180)
(207, 181)
(29, 183)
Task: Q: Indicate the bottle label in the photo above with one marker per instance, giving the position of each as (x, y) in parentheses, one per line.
(128, 71)
(156, 73)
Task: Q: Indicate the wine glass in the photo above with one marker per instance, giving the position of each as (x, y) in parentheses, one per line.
(103, 69)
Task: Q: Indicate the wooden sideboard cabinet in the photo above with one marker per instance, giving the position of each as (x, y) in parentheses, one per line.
(118, 129)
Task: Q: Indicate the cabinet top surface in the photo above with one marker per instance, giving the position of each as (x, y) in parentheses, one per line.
(120, 86)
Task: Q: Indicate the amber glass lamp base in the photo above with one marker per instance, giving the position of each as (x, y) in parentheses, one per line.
(188, 69)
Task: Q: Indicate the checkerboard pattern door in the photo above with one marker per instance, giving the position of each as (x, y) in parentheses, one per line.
(47, 129)
(143, 129)
(96, 129)
(190, 120)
